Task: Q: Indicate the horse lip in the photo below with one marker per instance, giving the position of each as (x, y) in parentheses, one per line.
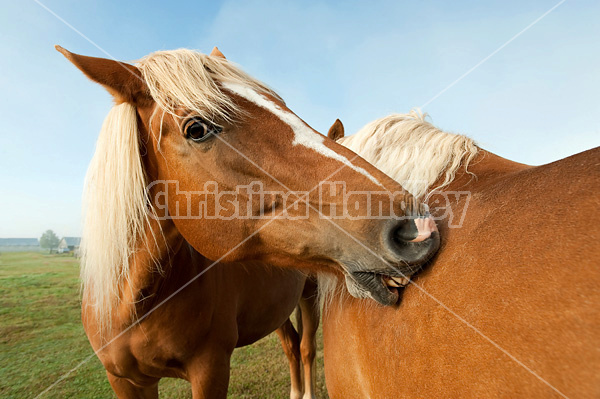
(396, 269)
(373, 282)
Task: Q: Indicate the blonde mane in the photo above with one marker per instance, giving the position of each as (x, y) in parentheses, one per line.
(115, 202)
(193, 81)
(412, 151)
(115, 212)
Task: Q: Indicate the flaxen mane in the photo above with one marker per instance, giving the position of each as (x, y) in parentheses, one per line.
(115, 203)
(413, 152)
(190, 80)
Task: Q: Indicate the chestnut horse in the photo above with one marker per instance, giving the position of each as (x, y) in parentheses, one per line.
(510, 305)
(171, 192)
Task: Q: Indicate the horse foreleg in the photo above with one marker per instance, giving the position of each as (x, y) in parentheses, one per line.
(125, 389)
(290, 342)
(310, 314)
(209, 373)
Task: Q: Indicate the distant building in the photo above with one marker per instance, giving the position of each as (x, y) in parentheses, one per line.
(69, 244)
(19, 245)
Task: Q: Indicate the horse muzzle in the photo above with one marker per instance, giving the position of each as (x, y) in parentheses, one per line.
(408, 244)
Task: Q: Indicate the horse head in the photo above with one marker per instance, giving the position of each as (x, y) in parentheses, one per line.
(242, 177)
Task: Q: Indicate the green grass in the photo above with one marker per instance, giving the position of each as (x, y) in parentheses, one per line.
(41, 339)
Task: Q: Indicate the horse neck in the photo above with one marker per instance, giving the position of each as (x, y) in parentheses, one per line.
(153, 260)
(486, 168)
(449, 203)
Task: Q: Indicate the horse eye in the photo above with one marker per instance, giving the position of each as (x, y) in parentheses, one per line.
(199, 130)
(196, 130)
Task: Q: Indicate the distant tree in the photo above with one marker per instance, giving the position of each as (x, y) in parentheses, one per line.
(49, 240)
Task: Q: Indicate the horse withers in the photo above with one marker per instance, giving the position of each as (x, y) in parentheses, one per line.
(200, 165)
(510, 305)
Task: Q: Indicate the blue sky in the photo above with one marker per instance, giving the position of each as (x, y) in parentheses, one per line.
(535, 101)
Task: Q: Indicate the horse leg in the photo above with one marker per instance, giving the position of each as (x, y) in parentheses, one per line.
(125, 389)
(209, 374)
(290, 342)
(310, 314)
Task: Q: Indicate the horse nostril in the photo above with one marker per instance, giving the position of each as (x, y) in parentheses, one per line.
(405, 231)
(412, 240)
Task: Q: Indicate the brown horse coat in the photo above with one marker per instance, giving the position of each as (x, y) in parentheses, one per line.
(193, 333)
(510, 306)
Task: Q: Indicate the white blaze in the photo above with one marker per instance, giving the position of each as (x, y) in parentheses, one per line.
(303, 134)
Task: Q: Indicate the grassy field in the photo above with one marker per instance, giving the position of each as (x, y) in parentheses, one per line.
(41, 339)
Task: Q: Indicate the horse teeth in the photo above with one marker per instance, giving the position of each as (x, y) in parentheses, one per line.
(390, 282)
(397, 281)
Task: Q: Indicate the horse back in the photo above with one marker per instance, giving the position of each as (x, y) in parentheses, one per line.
(507, 308)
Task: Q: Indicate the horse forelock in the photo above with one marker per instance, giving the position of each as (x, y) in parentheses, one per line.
(115, 213)
(191, 80)
(412, 151)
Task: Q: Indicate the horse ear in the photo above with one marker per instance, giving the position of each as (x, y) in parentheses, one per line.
(124, 81)
(336, 131)
(216, 53)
